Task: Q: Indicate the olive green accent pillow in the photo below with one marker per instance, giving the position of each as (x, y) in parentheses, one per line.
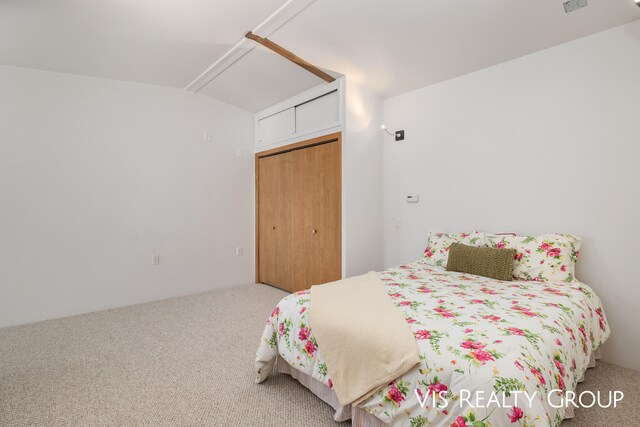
(481, 261)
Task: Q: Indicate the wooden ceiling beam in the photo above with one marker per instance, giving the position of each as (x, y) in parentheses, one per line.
(290, 56)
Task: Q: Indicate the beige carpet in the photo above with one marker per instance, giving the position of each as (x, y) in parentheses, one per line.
(185, 361)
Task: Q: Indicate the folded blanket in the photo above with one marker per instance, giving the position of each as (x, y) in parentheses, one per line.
(365, 340)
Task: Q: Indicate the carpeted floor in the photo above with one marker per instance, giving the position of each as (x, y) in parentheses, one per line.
(185, 361)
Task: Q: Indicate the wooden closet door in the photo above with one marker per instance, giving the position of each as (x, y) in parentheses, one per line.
(274, 217)
(317, 215)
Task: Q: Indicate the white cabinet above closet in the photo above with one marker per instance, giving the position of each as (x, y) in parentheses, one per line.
(277, 126)
(312, 112)
(318, 112)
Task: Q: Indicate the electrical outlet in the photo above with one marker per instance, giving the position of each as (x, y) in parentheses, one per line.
(238, 251)
(206, 136)
(155, 260)
(398, 223)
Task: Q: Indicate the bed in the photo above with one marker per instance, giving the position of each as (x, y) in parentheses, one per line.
(473, 333)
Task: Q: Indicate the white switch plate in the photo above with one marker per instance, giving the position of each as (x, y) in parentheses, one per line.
(239, 251)
(206, 136)
(412, 198)
(238, 153)
(398, 223)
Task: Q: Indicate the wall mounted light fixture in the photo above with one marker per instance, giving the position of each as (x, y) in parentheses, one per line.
(637, 2)
(399, 134)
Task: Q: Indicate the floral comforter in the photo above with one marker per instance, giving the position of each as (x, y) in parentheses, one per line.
(476, 337)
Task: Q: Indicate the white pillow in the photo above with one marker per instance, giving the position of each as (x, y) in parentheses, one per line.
(545, 258)
(437, 251)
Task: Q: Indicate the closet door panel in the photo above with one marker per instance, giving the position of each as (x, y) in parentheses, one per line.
(301, 270)
(327, 215)
(274, 216)
(317, 215)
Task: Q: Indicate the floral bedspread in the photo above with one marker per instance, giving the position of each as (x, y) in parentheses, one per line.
(476, 337)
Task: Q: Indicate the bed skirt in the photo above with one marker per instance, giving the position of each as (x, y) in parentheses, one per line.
(358, 416)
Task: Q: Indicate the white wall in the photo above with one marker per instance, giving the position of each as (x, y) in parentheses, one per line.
(97, 175)
(362, 176)
(546, 143)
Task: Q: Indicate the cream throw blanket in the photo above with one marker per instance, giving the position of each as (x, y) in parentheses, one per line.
(363, 337)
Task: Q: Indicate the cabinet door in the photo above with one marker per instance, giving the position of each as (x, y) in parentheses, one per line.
(277, 126)
(274, 216)
(317, 215)
(319, 113)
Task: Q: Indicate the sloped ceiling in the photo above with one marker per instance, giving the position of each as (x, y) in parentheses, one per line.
(390, 46)
(158, 42)
(259, 80)
(397, 46)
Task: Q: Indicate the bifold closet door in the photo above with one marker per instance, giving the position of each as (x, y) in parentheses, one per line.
(317, 215)
(274, 216)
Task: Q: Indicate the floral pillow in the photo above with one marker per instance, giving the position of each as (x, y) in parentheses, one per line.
(437, 251)
(545, 258)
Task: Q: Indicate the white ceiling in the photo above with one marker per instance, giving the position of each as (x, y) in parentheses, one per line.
(259, 80)
(400, 45)
(391, 46)
(160, 42)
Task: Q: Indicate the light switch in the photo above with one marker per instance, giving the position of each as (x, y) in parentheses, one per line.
(412, 198)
